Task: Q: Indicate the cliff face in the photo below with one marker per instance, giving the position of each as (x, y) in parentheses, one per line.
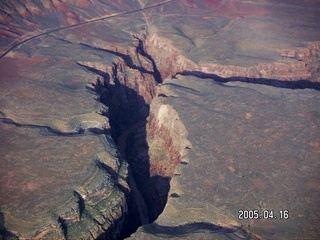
(148, 133)
(305, 64)
(56, 187)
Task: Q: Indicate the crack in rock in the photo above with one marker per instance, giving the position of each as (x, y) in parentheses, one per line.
(300, 84)
(53, 131)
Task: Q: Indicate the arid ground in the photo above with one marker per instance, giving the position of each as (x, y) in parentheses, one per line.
(150, 119)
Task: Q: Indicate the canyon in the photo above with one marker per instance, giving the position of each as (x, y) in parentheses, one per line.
(151, 120)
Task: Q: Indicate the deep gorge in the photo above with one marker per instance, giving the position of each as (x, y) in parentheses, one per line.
(149, 134)
(141, 127)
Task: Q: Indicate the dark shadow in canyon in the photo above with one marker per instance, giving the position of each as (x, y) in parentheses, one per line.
(47, 130)
(4, 233)
(127, 112)
(300, 84)
(127, 59)
(190, 228)
(141, 50)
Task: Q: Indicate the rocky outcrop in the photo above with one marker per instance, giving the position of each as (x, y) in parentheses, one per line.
(174, 61)
(306, 55)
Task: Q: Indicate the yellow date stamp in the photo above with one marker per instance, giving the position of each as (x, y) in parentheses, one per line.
(251, 214)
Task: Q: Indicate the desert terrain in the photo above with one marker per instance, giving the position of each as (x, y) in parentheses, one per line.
(153, 119)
